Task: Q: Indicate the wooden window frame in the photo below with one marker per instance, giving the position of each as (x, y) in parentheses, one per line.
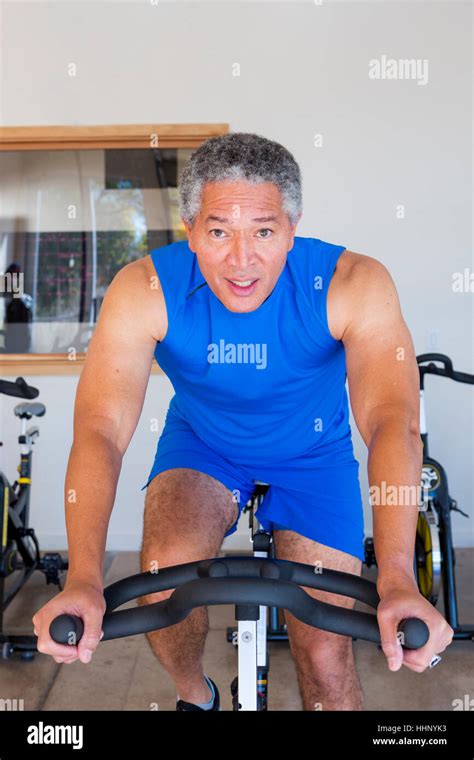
(91, 138)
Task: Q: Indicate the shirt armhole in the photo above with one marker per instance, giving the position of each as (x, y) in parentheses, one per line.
(324, 258)
(333, 256)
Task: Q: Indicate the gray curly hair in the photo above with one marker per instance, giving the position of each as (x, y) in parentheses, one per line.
(240, 156)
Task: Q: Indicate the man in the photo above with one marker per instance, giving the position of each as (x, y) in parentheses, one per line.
(256, 328)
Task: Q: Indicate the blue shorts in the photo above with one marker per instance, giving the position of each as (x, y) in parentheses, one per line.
(316, 496)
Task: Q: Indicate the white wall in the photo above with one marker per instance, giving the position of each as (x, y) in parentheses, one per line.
(304, 71)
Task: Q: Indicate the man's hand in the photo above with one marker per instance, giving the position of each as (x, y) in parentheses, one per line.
(398, 603)
(85, 600)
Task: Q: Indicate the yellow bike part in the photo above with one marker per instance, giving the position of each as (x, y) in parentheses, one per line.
(425, 571)
(428, 555)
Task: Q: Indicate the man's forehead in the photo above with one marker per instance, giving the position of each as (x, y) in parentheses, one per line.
(226, 202)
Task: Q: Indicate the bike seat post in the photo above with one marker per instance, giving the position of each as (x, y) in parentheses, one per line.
(262, 544)
(247, 616)
(22, 436)
(262, 541)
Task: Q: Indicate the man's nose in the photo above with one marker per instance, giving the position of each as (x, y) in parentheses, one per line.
(241, 254)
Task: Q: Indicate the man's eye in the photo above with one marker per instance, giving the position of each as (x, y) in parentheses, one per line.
(216, 232)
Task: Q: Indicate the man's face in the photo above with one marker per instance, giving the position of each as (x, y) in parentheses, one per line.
(241, 238)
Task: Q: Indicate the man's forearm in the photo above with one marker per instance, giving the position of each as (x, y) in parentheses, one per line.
(394, 469)
(91, 482)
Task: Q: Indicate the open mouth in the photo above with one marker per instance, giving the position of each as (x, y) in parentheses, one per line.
(242, 287)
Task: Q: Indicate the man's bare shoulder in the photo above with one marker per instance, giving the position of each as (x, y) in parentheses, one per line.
(352, 267)
(360, 284)
(138, 271)
(137, 283)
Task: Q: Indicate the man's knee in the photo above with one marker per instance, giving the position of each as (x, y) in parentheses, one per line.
(321, 653)
(156, 596)
(173, 531)
(187, 514)
(156, 556)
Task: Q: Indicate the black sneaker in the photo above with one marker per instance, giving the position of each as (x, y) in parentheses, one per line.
(181, 705)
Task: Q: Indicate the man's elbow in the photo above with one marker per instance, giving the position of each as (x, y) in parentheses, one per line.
(97, 429)
(398, 427)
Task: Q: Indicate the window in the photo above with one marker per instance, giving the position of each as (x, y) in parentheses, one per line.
(71, 217)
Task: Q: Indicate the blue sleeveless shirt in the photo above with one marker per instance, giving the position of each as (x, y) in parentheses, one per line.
(259, 387)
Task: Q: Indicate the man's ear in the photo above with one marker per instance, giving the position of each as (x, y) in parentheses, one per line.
(188, 229)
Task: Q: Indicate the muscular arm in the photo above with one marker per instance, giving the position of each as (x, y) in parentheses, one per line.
(383, 385)
(108, 404)
(364, 312)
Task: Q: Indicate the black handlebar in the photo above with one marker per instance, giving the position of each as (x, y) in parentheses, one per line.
(445, 371)
(19, 388)
(247, 581)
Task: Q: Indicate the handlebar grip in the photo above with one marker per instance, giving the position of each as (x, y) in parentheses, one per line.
(66, 629)
(18, 389)
(415, 633)
(25, 390)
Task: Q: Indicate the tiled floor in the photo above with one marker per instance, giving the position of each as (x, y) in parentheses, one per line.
(125, 675)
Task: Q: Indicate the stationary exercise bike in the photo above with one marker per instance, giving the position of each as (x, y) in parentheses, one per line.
(19, 548)
(434, 560)
(261, 586)
(251, 584)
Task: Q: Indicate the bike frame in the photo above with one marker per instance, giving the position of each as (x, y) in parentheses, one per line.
(253, 658)
(439, 497)
(251, 636)
(16, 535)
(14, 515)
(14, 519)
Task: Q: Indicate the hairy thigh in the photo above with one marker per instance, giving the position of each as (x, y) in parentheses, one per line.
(187, 514)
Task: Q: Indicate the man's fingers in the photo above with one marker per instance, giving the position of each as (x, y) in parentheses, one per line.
(419, 659)
(91, 637)
(64, 660)
(393, 652)
(390, 642)
(50, 647)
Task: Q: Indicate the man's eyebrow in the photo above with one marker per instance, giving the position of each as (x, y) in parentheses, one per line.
(224, 220)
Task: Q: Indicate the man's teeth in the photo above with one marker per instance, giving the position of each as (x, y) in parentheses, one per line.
(244, 284)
